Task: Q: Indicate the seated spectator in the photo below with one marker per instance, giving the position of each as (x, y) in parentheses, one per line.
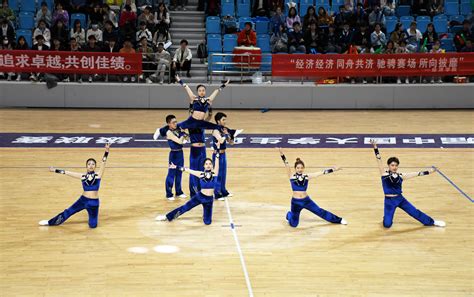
(43, 14)
(261, 8)
(60, 14)
(390, 49)
(468, 48)
(111, 46)
(309, 18)
(74, 46)
(7, 13)
(362, 37)
(461, 38)
(109, 15)
(78, 6)
(324, 19)
(163, 59)
(230, 24)
(38, 46)
(429, 38)
(377, 17)
(345, 38)
(96, 15)
(148, 59)
(78, 33)
(94, 30)
(92, 45)
(127, 23)
(277, 20)
(128, 49)
(148, 18)
(291, 19)
(436, 49)
(110, 32)
(413, 38)
(131, 3)
(7, 31)
(57, 45)
(342, 17)
(420, 7)
(313, 40)
(21, 45)
(162, 19)
(212, 7)
(388, 7)
(178, 4)
(398, 34)
(436, 7)
(296, 41)
(44, 32)
(402, 49)
(279, 40)
(377, 38)
(359, 15)
(182, 59)
(247, 37)
(59, 32)
(144, 32)
(330, 41)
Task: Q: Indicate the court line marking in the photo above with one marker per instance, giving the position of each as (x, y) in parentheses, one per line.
(241, 255)
(236, 167)
(453, 184)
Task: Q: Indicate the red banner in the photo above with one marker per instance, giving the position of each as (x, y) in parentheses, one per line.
(371, 65)
(70, 62)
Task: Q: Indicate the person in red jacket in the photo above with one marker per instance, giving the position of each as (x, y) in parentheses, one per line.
(247, 37)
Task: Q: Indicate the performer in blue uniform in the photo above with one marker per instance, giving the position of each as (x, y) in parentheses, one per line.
(197, 156)
(392, 186)
(207, 179)
(301, 200)
(90, 197)
(222, 137)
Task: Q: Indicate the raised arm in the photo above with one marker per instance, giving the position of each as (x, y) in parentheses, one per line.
(218, 90)
(415, 174)
(185, 169)
(187, 88)
(104, 160)
(325, 171)
(379, 158)
(66, 172)
(216, 162)
(288, 169)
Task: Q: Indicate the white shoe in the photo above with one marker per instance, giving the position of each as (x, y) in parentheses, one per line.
(154, 75)
(9, 78)
(221, 199)
(140, 77)
(43, 223)
(161, 81)
(238, 132)
(230, 195)
(133, 79)
(148, 81)
(90, 79)
(399, 81)
(407, 81)
(364, 81)
(170, 198)
(125, 79)
(182, 196)
(439, 224)
(440, 81)
(343, 222)
(353, 81)
(66, 80)
(18, 78)
(161, 218)
(432, 81)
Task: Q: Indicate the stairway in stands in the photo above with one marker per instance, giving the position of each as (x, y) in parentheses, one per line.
(190, 25)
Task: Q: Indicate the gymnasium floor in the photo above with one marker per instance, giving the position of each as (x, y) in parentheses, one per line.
(130, 254)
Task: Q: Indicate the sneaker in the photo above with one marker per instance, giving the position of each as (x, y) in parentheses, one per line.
(364, 81)
(407, 81)
(140, 77)
(288, 216)
(133, 79)
(221, 199)
(432, 81)
(343, 222)
(18, 78)
(148, 81)
(353, 81)
(161, 218)
(439, 224)
(9, 77)
(170, 198)
(125, 79)
(43, 223)
(182, 196)
(33, 77)
(399, 81)
(161, 81)
(90, 79)
(154, 75)
(440, 81)
(66, 80)
(229, 195)
(413, 81)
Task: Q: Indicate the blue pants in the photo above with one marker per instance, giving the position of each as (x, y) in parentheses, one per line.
(91, 205)
(297, 205)
(192, 123)
(391, 205)
(195, 200)
(174, 175)
(220, 189)
(196, 162)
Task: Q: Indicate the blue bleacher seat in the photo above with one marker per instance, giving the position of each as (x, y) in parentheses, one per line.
(262, 25)
(214, 43)
(227, 7)
(390, 23)
(304, 9)
(242, 22)
(213, 25)
(310, 2)
(447, 44)
(263, 42)
(440, 23)
(218, 67)
(422, 22)
(27, 34)
(78, 16)
(451, 8)
(321, 2)
(457, 18)
(406, 21)
(266, 63)
(230, 41)
(228, 59)
(26, 20)
(243, 10)
(27, 5)
(403, 10)
(456, 29)
(465, 8)
(13, 4)
(337, 3)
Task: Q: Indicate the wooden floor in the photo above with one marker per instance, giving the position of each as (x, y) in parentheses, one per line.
(315, 259)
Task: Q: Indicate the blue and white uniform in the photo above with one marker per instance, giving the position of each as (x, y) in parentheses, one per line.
(176, 157)
(220, 190)
(196, 158)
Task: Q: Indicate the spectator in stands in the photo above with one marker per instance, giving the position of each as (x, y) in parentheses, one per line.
(111, 45)
(6, 45)
(413, 38)
(436, 7)
(109, 15)
(162, 19)
(39, 45)
(262, 8)
(178, 4)
(461, 38)
(345, 37)
(148, 18)
(74, 46)
(128, 49)
(342, 17)
(78, 33)
(390, 49)
(247, 37)
(57, 45)
(313, 40)
(60, 14)
(330, 41)
(44, 32)
(277, 20)
(377, 38)
(398, 34)
(148, 59)
(144, 32)
(21, 45)
(163, 59)
(7, 31)
(309, 18)
(420, 7)
(43, 14)
(436, 50)
(6, 12)
(182, 59)
(362, 37)
(78, 6)
(212, 8)
(94, 30)
(131, 3)
(377, 17)
(59, 32)
(292, 18)
(92, 46)
(96, 15)
(296, 41)
(324, 19)
(109, 32)
(359, 15)
(468, 48)
(388, 7)
(429, 38)
(279, 40)
(127, 23)
(402, 49)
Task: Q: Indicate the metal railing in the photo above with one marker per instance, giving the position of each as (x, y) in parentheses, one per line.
(245, 66)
